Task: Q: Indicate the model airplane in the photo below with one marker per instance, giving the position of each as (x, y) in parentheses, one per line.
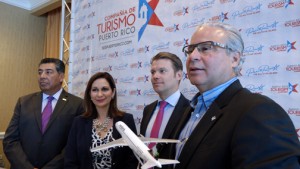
(137, 145)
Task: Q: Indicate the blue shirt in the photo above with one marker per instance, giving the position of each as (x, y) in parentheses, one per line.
(200, 103)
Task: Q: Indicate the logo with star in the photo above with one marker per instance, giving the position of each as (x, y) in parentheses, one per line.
(148, 15)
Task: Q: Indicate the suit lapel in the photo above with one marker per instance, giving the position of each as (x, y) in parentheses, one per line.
(38, 108)
(206, 123)
(211, 117)
(175, 117)
(61, 103)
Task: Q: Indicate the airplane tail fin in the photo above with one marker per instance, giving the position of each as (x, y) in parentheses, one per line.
(167, 161)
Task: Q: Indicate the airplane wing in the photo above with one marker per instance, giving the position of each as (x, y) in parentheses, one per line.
(167, 161)
(118, 142)
(148, 165)
(158, 140)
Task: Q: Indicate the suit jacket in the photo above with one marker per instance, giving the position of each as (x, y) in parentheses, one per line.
(165, 150)
(78, 154)
(241, 130)
(24, 144)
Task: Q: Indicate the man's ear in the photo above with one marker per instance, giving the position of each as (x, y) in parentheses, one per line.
(235, 59)
(179, 75)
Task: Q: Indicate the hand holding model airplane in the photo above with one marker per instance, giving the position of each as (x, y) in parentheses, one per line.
(137, 145)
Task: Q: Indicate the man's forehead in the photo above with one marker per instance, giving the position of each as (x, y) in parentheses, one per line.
(49, 66)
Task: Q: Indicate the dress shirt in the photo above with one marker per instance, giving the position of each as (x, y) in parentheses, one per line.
(54, 101)
(172, 101)
(207, 99)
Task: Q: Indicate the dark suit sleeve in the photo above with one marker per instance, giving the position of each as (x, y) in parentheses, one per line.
(58, 160)
(71, 159)
(11, 142)
(131, 161)
(265, 139)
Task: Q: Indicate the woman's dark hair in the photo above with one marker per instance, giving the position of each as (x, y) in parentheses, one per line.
(91, 110)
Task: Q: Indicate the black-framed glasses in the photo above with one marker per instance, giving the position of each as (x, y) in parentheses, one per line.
(203, 47)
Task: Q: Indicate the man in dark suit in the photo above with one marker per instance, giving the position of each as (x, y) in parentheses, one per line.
(26, 144)
(166, 74)
(227, 126)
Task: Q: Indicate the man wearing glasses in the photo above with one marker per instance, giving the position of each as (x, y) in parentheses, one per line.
(227, 126)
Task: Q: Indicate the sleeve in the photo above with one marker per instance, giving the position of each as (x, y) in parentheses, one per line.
(11, 142)
(71, 160)
(131, 161)
(265, 138)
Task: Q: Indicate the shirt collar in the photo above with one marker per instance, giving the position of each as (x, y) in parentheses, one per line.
(210, 95)
(172, 99)
(56, 95)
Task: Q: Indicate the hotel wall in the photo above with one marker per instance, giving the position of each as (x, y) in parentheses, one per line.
(21, 48)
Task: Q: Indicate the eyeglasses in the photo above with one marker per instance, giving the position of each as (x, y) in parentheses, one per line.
(203, 47)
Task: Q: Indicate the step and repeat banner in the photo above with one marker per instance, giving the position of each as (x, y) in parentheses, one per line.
(121, 36)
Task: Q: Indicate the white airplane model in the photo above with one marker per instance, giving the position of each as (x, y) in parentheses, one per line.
(137, 145)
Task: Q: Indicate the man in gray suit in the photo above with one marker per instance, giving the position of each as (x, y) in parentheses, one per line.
(28, 145)
(166, 74)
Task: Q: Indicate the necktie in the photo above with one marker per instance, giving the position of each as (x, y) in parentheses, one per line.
(47, 113)
(157, 122)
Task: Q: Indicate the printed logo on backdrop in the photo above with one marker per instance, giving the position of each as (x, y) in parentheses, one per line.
(173, 28)
(255, 88)
(263, 70)
(147, 64)
(181, 43)
(294, 111)
(246, 11)
(283, 47)
(107, 68)
(143, 79)
(293, 68)
(127, 79)
(138, 120)
(136, 65)
(181, 12)
(262, 28)
(161, 46)
(292, 23)
(140, 106)
(227, 1)
(203, 5)
(136, 92)
(117, 28)
(127, 52)
(184, 76)
(289, 89)
(192, 91)
(122, 92)
(149, 92)
(147, 15)
(219, 18)
(281, 4)
(193, 23)
(126, 106)
(144, 49)
(253, 50)
(121, 66)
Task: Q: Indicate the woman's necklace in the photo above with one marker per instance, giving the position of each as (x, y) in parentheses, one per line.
(101, 127)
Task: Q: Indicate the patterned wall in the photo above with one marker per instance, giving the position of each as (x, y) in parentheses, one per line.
(120, 37)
